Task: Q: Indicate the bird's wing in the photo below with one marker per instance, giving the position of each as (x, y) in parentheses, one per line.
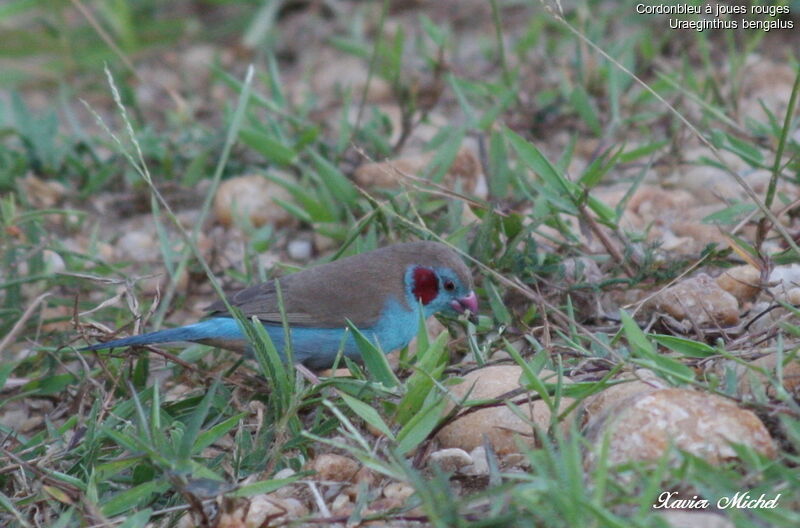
(261, 300)
(327, 296)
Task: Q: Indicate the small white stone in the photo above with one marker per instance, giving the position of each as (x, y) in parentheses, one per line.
(251, 197)
(480, 466)
(286, 491)
(137, 245)
(262, 507)
(299, 250)
(450, 459)
(284, 473)
(398, 490)
(341, 501)
(53, 261)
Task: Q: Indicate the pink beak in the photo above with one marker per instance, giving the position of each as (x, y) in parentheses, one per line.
(470, 302)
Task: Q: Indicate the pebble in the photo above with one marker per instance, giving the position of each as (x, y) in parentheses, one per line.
(449, 460)
(333, 467)
(251, 197)
(699, 299)
(300, 250)
(743, 282)
(500, 425)
(644, 426)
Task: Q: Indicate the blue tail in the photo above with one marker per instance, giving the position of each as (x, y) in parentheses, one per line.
(314, 347)
(211, 329)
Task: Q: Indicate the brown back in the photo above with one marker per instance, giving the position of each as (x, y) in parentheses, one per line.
(354, 288)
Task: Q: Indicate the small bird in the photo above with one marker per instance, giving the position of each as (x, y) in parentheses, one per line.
(381, 292)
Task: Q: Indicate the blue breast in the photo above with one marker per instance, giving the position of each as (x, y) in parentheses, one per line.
(318, 347)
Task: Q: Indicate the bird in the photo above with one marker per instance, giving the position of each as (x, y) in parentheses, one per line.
(382, 293)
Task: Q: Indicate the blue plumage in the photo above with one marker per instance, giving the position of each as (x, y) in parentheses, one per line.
(381, 292)
(313, 347)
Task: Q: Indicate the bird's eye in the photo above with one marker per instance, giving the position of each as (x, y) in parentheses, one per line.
(449, 285)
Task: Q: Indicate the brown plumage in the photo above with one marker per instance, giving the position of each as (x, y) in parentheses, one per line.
(328, 295)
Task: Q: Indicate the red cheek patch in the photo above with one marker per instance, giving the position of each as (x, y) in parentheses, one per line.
(426, 287)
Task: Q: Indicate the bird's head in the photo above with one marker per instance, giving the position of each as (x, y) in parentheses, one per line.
(441, 282)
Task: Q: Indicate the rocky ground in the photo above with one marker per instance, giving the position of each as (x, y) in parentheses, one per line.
(635, 257)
